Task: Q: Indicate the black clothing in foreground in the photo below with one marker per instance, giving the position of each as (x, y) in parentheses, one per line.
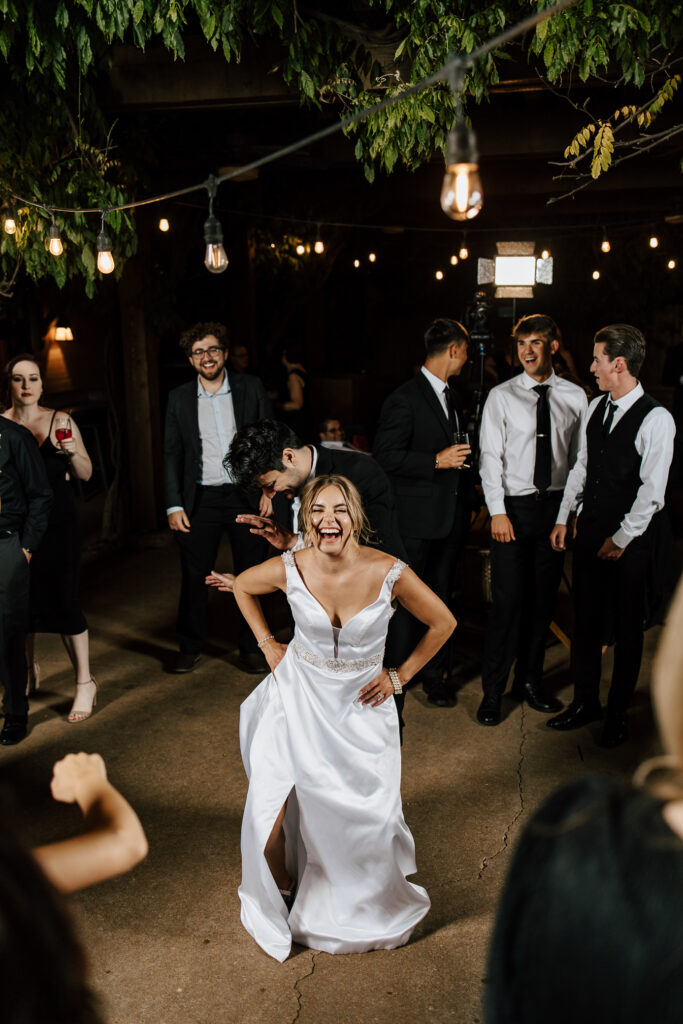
(588, 926)
(54, 604)
(26, 498)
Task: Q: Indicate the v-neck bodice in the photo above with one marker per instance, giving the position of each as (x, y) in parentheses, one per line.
(362, 637)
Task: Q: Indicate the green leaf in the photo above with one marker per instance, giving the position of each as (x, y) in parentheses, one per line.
(138, 12)
(278, 17)
(307, 84)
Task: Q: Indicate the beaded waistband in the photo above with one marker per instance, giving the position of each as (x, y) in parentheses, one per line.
(335, 664)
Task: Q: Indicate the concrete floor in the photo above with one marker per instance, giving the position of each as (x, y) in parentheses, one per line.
(165, 942)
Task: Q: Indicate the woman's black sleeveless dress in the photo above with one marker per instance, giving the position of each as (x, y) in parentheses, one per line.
(56, 565)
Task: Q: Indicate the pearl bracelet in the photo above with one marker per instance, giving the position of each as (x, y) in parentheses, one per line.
(265, 640)
(396, 682)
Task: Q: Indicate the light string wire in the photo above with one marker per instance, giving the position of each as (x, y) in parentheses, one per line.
(456, 64)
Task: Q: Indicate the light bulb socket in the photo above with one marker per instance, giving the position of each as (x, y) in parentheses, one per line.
(213, 232)
(103, 242)
(462, 146)
(54, 231)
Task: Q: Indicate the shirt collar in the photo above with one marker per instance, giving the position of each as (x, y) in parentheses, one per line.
(224, 389)
(629, 399)
(435, 381)
(528, 383)
(314, 463)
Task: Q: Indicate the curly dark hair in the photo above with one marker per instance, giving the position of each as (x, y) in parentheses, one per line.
(199, 331)
(6, 390)
(257, 449)
(42, 966)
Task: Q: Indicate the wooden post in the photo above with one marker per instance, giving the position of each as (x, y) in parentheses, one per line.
(140, 416)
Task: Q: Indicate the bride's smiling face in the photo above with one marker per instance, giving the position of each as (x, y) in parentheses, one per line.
(330, 520)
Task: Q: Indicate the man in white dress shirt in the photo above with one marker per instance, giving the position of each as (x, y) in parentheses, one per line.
(202, 501)
(529, 440)
(622, 534)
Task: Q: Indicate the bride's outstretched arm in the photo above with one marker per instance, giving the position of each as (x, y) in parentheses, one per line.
(265, 578)
(423, 603)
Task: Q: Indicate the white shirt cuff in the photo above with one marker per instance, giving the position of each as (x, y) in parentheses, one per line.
(174, 508)
(621, 538)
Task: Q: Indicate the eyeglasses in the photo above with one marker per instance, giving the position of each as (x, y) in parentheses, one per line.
(213, 351)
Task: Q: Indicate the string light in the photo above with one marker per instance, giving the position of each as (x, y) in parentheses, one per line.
(356, 264)
(372, 256)
(454, 261)
(654, 241)
(319, 246)
(105, 260)
(163, 224)
(55, 246)
(596, 275)
(605, 245)
(215, 258)
(545, 255)
(671, 264)
(461, 192)
(300, 250)
(462, 166)
(464, 252)
(439, 275)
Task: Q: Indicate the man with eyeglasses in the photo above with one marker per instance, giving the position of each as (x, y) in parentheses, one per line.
(202, 501)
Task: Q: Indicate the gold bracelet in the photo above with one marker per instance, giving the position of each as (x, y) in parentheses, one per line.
(265, 640)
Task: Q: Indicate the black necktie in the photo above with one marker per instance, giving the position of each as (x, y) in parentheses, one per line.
(543, 463)
(452, 415)
(607, 422)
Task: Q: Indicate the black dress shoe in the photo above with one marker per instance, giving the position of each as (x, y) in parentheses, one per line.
(440, 698)
(535, 700)
(577, 714)
(616, 730)
(488, 712)
(186, 662)
(14, 730)
(253, 663)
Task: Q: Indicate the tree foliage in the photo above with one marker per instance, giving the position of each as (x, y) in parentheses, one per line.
(56, 147)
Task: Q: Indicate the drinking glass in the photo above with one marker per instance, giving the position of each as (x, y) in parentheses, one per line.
(63, 430)
(461, 437)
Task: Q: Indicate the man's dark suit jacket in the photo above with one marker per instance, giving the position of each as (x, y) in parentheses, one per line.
(375, 491)
(182, 443)
(412, 429)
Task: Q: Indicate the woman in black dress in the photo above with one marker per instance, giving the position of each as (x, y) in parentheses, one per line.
(293, 400)
(55, 567)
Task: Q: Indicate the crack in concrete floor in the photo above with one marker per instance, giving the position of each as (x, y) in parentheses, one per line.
(520, 788)
(297, 990)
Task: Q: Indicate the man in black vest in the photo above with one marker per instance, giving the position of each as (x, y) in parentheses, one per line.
(621, 471)
(201, 498)
(415, 446)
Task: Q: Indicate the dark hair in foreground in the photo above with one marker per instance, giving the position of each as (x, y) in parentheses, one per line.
(6, 393)
(354, 504)
(626, 341)
(42, 967)
(257, 449)
(588, 926)
(201, 330)
(536, 323)
(443, 333)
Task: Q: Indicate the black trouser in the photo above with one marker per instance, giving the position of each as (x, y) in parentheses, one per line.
(14, 590)
(608, 591)
(434, 561)
(525, 577)
(215, 511)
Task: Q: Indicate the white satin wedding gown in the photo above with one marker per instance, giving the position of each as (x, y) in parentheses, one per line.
(304, 736)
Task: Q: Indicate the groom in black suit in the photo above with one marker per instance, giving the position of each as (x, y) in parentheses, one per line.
(415, 445)
(201, 498)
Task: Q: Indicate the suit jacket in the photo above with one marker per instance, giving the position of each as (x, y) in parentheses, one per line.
(412, 429)
(375, 491)
(25, 493)
(182, 443)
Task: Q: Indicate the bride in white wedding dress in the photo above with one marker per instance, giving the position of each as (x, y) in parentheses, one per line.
(325, 848)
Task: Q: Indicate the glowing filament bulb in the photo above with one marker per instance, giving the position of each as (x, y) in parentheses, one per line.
(55, 246)
(439, 275)
(671, 264)
(105, 260)
(454, 261)
(163, 224)
(605, 245)
(356, 264)
(300, 250)
(10, 224)
(372, 256)
(654, 242)
(463, 254)
(596, 275)
(545, 255)
(319, 247)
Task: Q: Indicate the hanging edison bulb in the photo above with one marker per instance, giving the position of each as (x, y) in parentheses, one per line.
(105, 260)
(439, 275)
(605, 244)
(300, 249)
(319, 247)
(10, 222)
(164, 224)
(55, 246)
(545, 255)
(671, 264)
(215, 258)
(654, 242)
(464, 252)
(454, 261)
(596, 275)
(372, 256)
(356, 264)
(461, 192)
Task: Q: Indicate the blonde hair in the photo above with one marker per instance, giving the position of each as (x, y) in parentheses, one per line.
(360, 526)
(664, 775)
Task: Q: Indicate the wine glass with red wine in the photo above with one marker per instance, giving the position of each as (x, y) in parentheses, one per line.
(63, 431)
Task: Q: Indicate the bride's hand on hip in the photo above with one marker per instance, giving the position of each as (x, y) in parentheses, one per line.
(378, 691)
(273, 652)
